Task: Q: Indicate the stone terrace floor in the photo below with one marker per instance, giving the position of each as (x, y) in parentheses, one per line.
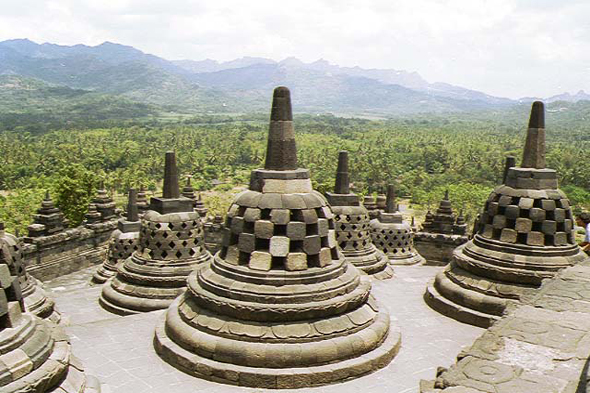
(118, 350)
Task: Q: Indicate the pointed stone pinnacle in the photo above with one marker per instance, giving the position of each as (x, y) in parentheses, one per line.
(188, 181)
(281, 151)
(510, 162)
(101, 185)
(132, 212)
(534, 147)
(47, 196)
(342, 179)
(390, 205)
(446, 195)
(171, 188)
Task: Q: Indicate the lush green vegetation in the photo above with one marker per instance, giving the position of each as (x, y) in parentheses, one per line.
(423, 156)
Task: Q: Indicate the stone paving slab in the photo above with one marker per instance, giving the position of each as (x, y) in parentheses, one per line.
(541, 346)
(119, 350)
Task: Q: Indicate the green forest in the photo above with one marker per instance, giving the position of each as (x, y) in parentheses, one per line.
(423, 156)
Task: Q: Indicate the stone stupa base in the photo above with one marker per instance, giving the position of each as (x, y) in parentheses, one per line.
(374, 264)
(406, 260)
(31, 342)
(38, 303)
(221, 370)
(104, 273)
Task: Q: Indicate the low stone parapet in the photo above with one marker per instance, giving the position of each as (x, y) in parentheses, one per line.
(437, 248)
(541, 346)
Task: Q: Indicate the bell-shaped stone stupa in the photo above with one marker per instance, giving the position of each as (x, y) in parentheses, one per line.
(524, 236)
(279, 307)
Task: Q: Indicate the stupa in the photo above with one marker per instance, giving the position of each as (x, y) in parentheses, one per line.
(441, 233)
(36, 300)
(49, 220)
(104, 204)
(524, 236)
(394, 236)
(143, 204)
(352, 225)
(171, 247)
(35, 355)
(370, 204)
(279, 306)
(124, 241)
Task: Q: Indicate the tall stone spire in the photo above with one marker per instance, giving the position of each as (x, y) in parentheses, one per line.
(390, 205)
(510, 163)
(171, 188)
(132, 212)
(342, 178)
(534, 148)
(281, 152)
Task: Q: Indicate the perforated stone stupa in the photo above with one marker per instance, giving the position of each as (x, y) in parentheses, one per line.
(279, 306)
(394, 236)
(36, 300)
(441, 233)
(524, 236)
(35, 355)
(353, 232)
(171, 247)
(124, 241)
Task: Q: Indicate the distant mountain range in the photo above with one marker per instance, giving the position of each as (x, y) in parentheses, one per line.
(129, 75)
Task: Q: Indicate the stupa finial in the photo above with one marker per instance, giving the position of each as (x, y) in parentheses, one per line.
(132, 212)
(510, 162)
(534, 147)
(342, 178)
(171, 188)
(390, 205)
(281, 151)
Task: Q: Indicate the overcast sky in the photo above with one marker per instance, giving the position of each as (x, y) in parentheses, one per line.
(510, 48)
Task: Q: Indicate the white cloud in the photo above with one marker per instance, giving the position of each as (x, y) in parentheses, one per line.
(503, 47)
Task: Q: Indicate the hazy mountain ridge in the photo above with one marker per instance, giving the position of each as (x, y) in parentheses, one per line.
(239, 85)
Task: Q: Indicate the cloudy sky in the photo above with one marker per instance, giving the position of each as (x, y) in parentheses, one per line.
(510, 48)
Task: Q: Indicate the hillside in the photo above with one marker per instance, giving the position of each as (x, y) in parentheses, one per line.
(238, 86)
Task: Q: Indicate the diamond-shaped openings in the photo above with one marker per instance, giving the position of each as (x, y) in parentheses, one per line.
(172, 240)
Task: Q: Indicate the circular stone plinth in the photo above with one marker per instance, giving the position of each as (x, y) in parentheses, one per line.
(274, 378)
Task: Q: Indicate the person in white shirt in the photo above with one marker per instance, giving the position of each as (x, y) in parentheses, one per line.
(583, 220)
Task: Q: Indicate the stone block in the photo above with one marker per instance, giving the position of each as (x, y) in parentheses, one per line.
(309, 216)
(561, 239)
(567, 225)
(492, 208)
(508, 235)
(535, 238)
(325, 257)
(323, 227)
(237, 225)
(565, 203)
(252, 214)
(312, 245)
(279, 246)
(263, 229)
(512, 212)
(537, 215)
(559, 215)
(488, 231)
(296, 230)
(247, 242)
(526, 203)
(280, 216)
(504, 200)
(5, 278)
(523, 225)
(549, 227)
(499, 222)
(332, 238)
(296, 261)
(548, 204)
(260, 260)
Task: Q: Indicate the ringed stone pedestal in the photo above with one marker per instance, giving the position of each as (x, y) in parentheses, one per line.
(35, 355)
(525, 235)
(171, 247)
(393, 236)
(279, 306)
(352, 223)
(123, 243)
(36, 300)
